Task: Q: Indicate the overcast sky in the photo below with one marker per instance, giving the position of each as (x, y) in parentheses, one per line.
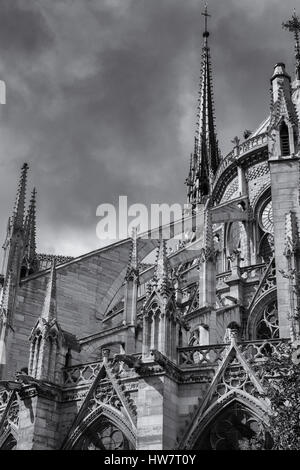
(102, 94)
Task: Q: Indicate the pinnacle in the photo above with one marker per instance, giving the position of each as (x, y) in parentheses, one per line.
(30, 228)
(133, 258)
(161, 279)
(19, 208)
(161, 260)
(49, 308)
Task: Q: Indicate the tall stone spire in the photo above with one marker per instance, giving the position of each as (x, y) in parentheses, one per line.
(30, 231)
(15, 230)
(19, 208)
(293, 25)
(206, 156)
(161, 268)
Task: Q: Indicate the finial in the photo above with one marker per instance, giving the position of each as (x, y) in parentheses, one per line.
(161, 260)
(132, 268)
(293, 25)
(134, 256)
(206, 16)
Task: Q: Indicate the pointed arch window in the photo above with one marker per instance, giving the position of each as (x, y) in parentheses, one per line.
(284, 139)
(235, 428)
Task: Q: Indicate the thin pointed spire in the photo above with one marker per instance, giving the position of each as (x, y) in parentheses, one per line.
(19, 208)
(161, 267)
(206, 152)
(30, 229)
(133, 258)
(49, 307)
(161, 280)
(293, 25)
(162, 276)
(133, 267)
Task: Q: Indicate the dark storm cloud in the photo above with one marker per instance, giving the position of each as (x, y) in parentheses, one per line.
(23, 30)
(102, 99)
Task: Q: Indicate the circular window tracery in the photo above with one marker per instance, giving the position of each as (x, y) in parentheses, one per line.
(104, 436)
(267, 326)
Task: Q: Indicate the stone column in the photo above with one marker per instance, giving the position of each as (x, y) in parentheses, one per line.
(207, 283)
(38, 420)
(157, 413)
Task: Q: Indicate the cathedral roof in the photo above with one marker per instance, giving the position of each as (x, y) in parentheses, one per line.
(263, 126)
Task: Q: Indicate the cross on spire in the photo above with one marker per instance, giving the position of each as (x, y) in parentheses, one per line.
(293, 25)
(206, 16)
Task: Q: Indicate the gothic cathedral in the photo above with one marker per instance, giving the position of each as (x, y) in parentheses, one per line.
(106, 351)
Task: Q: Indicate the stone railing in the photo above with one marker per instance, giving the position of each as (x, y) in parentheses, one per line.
(195, 356)
(191, 356)
(81, 374)
(204, 356)
(253, 142)
(239, 151)
(259, 350)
